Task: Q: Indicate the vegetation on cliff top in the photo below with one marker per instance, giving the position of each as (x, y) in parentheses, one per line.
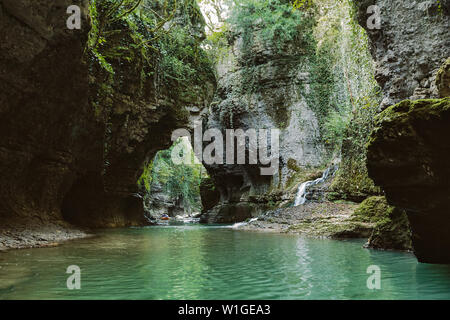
(166, 34)
(334, 52)
(155, 42)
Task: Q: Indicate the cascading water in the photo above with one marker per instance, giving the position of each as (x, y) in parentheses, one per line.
(302, 190)
(240, 224)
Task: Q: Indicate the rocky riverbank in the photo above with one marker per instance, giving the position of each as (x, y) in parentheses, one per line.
(326, 219)
(384, 226)
(22, 236)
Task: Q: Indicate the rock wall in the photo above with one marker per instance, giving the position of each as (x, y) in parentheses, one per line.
(410, 46)
(209, 194)
(159, 202)
(391, 230)
(407, 156)
(275, 100)
(292, 91)
(45, 118)
(69, 148)
(409, 49)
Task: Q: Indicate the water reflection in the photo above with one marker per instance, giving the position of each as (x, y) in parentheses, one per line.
(198, 262)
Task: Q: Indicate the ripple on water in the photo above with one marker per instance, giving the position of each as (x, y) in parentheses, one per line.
(215, 262)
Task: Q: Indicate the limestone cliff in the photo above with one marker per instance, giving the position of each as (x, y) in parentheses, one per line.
(311, 90)
(412, 43)
(263, 87)
(82, 111)
(46, 121)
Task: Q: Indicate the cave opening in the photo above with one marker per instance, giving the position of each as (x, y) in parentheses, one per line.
(174, 189)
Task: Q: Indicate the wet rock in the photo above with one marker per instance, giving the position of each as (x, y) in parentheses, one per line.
(408, 156)
(231, 213)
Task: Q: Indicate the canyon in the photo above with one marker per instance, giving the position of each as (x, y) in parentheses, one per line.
(84, 112)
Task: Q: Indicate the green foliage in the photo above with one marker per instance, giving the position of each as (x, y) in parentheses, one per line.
(144, 35)
(335, 126)
(280, 25)
(331, 113)
(355, 70)
(277, 21)
(145, 49)
(440, 8)
(272, 24)
(179, 181)
(217, 43)
(145, 181)
(302, 4)
(181, 57)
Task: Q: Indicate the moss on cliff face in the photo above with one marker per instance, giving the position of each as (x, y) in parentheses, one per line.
(395, 121)
(352, 181)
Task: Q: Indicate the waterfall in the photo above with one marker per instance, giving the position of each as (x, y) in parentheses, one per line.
(302, 190)
(240, 224)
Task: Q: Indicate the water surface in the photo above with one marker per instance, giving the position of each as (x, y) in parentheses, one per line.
(212, 262)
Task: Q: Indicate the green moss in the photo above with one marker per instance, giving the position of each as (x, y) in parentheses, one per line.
(333, 227)
(352, 183)
(417, 108)
(399, 115)
(423, 107)
(373, 209)
(292, 164)
(145, 181)
(391, 229)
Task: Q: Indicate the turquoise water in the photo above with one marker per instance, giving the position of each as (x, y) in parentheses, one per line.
(207, 262)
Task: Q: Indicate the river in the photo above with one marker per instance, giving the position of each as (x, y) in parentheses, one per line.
(215, 262)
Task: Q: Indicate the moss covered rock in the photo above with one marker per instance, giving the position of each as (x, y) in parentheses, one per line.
(391, 229)
(407, 155)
